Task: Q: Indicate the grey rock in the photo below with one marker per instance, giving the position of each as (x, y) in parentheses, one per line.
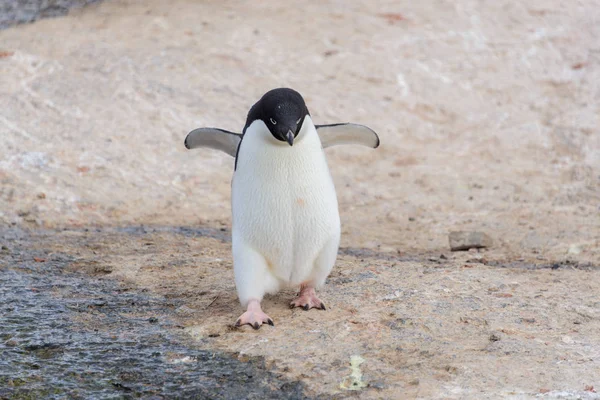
(463, 240)
(14, 12)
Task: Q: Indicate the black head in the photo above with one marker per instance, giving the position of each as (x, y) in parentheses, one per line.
(283, 111)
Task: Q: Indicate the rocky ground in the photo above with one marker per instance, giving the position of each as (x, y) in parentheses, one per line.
(488, 117)
(68, 335)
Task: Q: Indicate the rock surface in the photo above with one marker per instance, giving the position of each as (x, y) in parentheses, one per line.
(487, 114)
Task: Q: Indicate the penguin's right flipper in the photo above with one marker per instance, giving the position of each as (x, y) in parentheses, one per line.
(336, 134)
(214, 138)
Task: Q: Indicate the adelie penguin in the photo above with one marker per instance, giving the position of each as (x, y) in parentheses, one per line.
(286, 224)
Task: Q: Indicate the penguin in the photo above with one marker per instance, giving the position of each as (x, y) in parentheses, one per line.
(285, 219)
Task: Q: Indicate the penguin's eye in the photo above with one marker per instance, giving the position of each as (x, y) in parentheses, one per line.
(273, 121)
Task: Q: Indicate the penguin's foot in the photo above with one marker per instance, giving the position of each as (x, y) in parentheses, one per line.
(254, 316)
(307, 299)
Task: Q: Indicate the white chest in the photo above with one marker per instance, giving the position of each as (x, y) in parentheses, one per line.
(283, 198)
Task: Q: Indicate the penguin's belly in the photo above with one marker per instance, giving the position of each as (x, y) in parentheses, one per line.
(285, 207)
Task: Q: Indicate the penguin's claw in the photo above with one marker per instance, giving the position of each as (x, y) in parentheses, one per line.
(254, 318)
(307, 299)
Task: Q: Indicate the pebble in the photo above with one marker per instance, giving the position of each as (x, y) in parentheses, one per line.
(184, 310)
(568, 340)
(465, 240)
(494, 337)
(574, 249)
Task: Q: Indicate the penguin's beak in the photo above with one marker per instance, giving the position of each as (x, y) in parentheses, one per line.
(289, 137)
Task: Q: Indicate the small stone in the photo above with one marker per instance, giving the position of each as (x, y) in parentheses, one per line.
(589, 388)
(574, 249)
(494, 337)
(184, 310)
(243, 358)
(568, 340)
(102, 269)
(451, 369)
(153, 320)
(462, 240)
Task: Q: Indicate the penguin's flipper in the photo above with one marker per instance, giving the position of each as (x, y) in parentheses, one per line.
(334, 134)
(214, 138)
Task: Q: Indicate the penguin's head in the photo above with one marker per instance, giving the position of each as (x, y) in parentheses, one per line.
(282, 111)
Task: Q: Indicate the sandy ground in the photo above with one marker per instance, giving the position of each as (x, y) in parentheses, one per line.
(489, 120)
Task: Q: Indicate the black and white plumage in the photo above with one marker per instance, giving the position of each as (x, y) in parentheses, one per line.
(285, 225)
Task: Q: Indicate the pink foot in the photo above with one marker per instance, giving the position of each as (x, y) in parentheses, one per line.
(254, 316)
(307, 299)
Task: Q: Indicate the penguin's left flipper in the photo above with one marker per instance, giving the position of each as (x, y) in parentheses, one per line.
(335, 134)
(213, 138)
